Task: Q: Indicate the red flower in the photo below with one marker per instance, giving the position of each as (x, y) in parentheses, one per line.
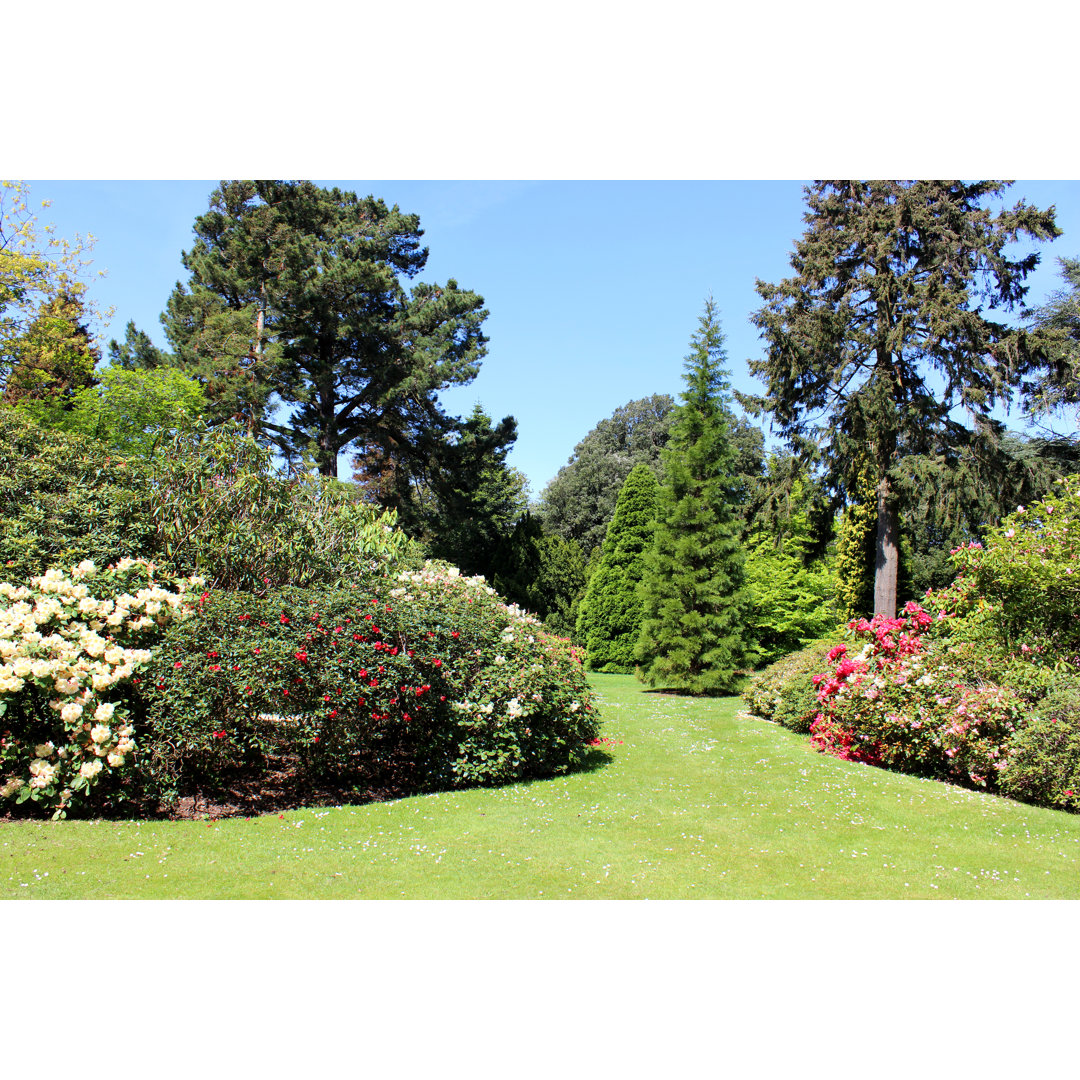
(284, 620)
(301, 656)
(219, 734)
(437, 662)
(257, 651)
(333, 713)
(215, 667)
(454, 633)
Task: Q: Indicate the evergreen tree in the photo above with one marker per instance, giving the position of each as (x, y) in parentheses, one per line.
(882, 331)
(53, 360)
(691, 635)
(543, 573)
(579, 502)
(476, 498)
(1057, 383)
(609, 619)
(296, 297)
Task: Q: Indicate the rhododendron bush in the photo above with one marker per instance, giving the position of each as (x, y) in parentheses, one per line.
(426, 677)
(907, 703)
(70, 645)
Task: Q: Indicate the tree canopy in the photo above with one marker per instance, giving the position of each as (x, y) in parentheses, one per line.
(296, 298)
(885, 332)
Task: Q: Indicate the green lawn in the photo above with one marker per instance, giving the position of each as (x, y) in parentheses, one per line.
(696, 801)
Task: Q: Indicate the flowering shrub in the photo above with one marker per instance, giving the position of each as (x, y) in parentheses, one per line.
(427, 676)
(1043, 756)
(909, 705)
(1018, 594)
(785, 692)
(69, 647)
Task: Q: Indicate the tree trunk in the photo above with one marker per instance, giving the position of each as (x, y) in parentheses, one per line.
(887, 563)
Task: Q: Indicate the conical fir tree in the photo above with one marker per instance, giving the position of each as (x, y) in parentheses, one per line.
(691, 636)
(609, 621)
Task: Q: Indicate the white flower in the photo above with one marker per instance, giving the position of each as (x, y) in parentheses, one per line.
(90, 769)
(45, 750)
(513, 708)
(575, 705)
(85, 569)
(115, 760)
(71, 712)
(11, 787)
(22, 666)
(100, 733)
(500, 660)
(104, 711)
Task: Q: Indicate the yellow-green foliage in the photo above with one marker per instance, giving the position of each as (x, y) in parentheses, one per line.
(855, 550)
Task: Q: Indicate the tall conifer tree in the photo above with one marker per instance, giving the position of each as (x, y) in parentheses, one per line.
(884, 332)
(609, 620)
(691, 634)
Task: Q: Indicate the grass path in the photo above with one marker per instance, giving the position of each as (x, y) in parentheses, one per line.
(697, 801)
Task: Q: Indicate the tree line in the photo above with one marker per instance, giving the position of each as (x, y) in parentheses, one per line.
(887, 353)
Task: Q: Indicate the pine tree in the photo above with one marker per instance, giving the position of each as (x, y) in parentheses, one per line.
(691, 636)
(885, 332)
(609, 620)
(476, 498)
(296, 297)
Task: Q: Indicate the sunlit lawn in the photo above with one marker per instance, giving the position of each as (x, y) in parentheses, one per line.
(697, 800)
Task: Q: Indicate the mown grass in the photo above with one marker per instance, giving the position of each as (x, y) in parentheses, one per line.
(696, 800)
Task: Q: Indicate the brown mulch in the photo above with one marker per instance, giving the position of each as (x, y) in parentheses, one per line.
(281, 786)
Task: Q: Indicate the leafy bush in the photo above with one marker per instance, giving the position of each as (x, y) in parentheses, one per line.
(427, 676)
(209, 501)
(65, 500)
(1043, 756)
(221, 509)
(1018, 595)
(785, 690)
(69, 656)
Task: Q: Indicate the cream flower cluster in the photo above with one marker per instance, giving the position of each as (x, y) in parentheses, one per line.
(73, 647)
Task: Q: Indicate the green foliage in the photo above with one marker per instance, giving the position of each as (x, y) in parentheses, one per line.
(53, 360)
(132, 411)
(476, 497)
(1018, 595)
(356, 358)
(427, 678)
(785, 691)
(691, 634)
(1057, 378)
(64, 499)
(208, 501)
(542, 573)
(580, 501)
(892, 281)
(788, 604)
(220, 508)
(955, 497)
(43, 299)
(609, 619)
(1043, 757)
(855, 549)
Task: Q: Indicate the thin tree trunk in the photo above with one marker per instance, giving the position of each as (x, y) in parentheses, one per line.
(887, 562)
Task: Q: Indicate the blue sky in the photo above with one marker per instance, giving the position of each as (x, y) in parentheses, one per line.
(594, 287)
